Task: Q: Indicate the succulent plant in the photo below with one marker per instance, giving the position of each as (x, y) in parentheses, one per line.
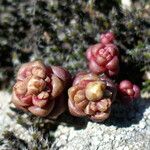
(30, 30)
(128, 91)
(40, 89)
(38, 30)
(91, 96)
(103, 58)
(107, 37)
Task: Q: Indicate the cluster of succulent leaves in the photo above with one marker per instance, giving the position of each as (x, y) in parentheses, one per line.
(59, 33)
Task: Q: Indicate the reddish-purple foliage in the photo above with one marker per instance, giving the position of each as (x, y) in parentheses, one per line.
(128, 91)
(39, 89)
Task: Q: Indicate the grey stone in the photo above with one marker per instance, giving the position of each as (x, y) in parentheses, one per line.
(119, 132)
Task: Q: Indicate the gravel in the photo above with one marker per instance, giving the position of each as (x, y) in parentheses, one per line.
(7, 121)
(128, 128)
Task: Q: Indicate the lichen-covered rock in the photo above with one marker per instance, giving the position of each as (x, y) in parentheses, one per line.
(125, 129)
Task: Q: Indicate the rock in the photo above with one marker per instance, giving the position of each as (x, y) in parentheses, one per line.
(118, 132)
(121, 133)
(142, 125)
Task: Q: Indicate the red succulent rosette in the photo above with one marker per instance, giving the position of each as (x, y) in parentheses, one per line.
(39, 89)
(107, 38)
(91, 96)
(103, 59)
(128, 91)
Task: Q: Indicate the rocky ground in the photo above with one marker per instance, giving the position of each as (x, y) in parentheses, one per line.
(127, 129)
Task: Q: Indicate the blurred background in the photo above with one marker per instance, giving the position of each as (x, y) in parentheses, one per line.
(59, 32)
